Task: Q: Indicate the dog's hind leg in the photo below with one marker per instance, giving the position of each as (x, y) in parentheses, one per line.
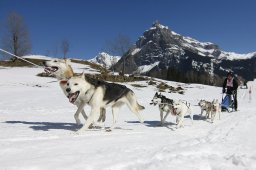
(115, 111)
(134, 106)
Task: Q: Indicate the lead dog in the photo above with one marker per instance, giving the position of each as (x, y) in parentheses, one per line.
(62, 70)
(100, 94)
(181, 108)
(164, 105)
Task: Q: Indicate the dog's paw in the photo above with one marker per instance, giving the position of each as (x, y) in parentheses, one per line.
(108, 130)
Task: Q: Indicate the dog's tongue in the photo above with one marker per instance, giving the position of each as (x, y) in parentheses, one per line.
(72, 97)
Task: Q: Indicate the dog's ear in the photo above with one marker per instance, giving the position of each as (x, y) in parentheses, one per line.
(67, 61)
(81, 75)
(63, 82)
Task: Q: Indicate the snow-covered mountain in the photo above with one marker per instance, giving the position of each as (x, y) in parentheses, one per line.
(160, 52)
(105, 60)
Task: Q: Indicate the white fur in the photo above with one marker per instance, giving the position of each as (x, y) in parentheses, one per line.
(181, 109)
(216, 109)
(63, 73)
(93, 96)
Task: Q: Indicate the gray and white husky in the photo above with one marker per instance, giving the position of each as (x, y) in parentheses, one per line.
(100, 94)
(205, 106)
(62, 70)
(164, 104)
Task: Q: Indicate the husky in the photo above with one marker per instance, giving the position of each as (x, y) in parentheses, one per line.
(205, 106)
(62, 70)
(215, 109)
(181, 108)
(100, 94)
(164, 105)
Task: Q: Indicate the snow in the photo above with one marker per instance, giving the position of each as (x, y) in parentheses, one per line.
(38, 131)
(136, 50)
(105, 59)
(146, 68)
(236, 56)
(200, 47)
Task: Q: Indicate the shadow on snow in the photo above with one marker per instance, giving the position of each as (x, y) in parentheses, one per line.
(45, 126)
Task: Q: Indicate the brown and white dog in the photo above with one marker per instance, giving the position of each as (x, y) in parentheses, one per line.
(62, 70)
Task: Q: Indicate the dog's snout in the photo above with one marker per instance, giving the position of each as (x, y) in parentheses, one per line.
(68, 90)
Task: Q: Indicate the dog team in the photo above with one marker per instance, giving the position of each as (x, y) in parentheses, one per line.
(82, 90)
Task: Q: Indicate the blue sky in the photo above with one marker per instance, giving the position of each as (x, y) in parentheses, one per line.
(89, 24)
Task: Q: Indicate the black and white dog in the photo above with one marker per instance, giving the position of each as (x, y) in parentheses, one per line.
(165, 105)
(100, 94)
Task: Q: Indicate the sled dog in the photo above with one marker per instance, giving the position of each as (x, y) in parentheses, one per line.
(62, 70)
(215, 109)
(100, 94)
(182, 107)
(205, 106)
(164, 104)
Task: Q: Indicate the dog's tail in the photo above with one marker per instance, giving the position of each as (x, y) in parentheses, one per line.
(133, 105)
(140, 107)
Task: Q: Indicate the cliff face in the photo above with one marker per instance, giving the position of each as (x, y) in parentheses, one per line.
(162, 53)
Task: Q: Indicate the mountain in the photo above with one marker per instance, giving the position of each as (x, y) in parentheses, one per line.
(105, 60)
(162, 53)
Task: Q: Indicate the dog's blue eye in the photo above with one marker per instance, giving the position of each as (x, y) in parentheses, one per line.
(75, 84)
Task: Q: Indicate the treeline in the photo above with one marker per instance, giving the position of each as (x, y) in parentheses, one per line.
(192, 76)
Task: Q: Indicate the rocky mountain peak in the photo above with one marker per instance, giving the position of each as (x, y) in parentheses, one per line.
(163, 53)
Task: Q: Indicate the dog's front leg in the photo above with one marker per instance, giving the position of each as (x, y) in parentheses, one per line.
(167, 113)
(84, 114)
(90, 119)
(161, 117)
(80, 108)
(180, 119)
(213, 116)
(102, 118)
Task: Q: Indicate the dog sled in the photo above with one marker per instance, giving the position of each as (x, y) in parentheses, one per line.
(227, 103)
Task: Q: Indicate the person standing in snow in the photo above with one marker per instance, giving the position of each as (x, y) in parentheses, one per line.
(230, 86)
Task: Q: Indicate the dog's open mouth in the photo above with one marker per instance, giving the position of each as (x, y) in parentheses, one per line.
(73, 96)
(50, 70)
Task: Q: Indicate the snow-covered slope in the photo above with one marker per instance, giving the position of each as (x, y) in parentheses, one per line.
(105, 60)
(37, 130)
